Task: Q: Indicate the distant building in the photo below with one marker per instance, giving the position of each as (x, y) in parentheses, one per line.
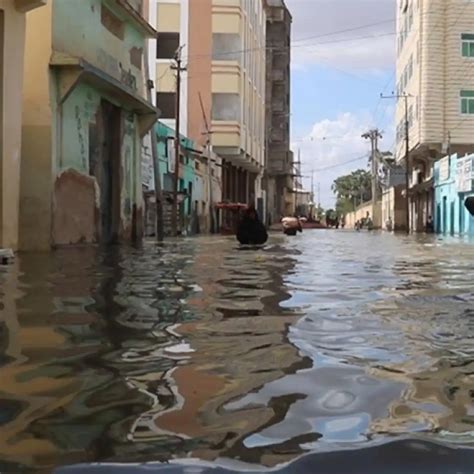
(279, 158)
(435, 52)
(223, 48)
(12, 40)
(84, 113)
(393, 198)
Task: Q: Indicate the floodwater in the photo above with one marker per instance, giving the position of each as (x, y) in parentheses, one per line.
(329, 349)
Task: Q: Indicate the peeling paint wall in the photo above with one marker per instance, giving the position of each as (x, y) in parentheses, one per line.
(96, 44)
(79, 113)
(81, 144)
(65, 145)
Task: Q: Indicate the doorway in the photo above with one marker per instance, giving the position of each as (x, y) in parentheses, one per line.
(108, 172)
(452, 211)
(445, 210)
(461, 215)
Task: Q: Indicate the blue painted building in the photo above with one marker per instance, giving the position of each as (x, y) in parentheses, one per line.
(453, 184)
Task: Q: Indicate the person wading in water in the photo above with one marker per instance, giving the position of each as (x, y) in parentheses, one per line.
(251, 230)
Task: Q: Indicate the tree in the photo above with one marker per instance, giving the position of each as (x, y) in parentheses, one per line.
(352, 189)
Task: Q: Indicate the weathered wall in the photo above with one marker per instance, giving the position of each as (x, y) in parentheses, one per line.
(375, 213)
(62, 141)
(96, 44)
(80, 143)
(12, 41)
(393, 206)
(37, 144)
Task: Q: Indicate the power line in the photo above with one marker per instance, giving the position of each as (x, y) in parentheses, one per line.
(338, 165)
(347, 30)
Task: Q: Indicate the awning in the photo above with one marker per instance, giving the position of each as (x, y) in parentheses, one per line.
(74, 71)
(422, 187)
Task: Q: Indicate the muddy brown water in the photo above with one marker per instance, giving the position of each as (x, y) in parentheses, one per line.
(198, 352)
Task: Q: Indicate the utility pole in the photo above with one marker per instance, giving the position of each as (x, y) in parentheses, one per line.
(297, 182)
(177, 146)
(159, 230)
(405, 97)
(373, 136)
(209, 161)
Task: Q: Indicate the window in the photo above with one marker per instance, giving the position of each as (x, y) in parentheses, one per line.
(467, 42)
(111, 22)
(467, 102)
(226, 46)
(226, 107)
(166, 102)
(167, 44)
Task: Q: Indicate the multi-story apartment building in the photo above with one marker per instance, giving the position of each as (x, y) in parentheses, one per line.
(279, 159)
(12, 40)
(435, 68)
(85, 111)
(223, 49)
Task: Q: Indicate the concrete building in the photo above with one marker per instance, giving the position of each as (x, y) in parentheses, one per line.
(279, 159)
(84, 114)
(453, 184)
(195, 179)
(393, 198)
(12, 41)
(434, 66)
(223, 49)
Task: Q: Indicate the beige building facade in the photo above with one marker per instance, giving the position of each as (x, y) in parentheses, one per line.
(12, 43)
(435, 59)
(223, 49)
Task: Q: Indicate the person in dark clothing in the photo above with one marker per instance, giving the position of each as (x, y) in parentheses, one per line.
(429, 225)
(251, 230)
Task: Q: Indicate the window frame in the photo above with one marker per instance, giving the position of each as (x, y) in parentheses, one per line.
(469, 42)
(468, 99)
(168, 34)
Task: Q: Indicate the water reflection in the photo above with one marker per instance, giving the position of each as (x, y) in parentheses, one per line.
(197, 349)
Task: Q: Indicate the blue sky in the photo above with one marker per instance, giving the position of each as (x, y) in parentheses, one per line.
(343, 57)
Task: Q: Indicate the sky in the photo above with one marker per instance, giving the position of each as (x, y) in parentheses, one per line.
(343, 58)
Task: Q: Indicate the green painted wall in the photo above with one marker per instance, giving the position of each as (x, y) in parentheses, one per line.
(163, 133)
(78, 111)
(92, 41)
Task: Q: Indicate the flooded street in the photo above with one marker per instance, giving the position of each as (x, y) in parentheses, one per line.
(320, 343)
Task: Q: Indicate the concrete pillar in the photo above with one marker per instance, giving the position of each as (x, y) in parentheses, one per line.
(12, 39)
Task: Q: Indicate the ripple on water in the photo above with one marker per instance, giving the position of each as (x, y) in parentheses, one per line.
(197, 350)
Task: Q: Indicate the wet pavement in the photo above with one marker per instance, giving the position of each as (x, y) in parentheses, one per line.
(328, 352)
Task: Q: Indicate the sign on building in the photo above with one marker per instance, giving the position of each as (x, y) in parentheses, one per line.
(464, 175)
(171, 154)
(444, 169)
(396, 176)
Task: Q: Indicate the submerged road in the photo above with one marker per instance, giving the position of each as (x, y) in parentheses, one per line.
(329, 352)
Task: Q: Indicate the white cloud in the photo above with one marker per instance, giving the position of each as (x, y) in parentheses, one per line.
(315, 21)
(335, 147)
